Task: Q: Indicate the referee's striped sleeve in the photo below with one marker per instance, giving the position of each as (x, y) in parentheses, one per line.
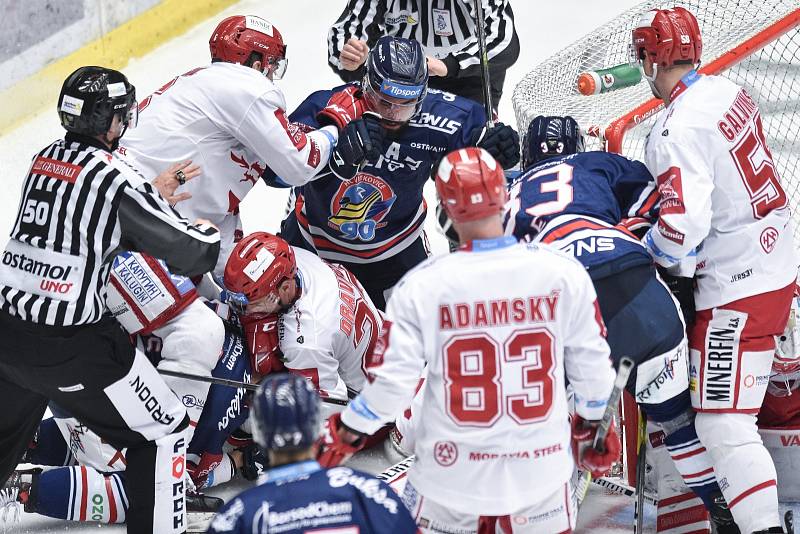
(149, 224)
(360, 19)
(499, 28)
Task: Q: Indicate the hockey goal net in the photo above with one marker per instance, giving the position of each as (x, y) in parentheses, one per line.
(755, 43)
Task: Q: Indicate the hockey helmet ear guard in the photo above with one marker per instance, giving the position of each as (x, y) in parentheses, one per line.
(91, 97)
(258, 264)
(396, 79)
(549, 137)
(471, 185)
(286, 413)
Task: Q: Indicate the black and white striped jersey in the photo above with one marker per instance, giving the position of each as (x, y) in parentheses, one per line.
(446, 29)
(80, 205)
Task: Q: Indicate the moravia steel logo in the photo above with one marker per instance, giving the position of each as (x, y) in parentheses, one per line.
(360, 205)
(401, 91)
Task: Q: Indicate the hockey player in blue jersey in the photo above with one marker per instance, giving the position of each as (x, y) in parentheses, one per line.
(369, 215)
(296, 495)
(575, 201)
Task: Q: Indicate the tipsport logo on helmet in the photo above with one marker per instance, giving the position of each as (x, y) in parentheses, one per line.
(396, 90)
(360, 205)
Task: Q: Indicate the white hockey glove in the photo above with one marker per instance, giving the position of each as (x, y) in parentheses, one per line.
(787, 345)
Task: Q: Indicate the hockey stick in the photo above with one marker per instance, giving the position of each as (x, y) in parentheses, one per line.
(487, 93)
(623, 373)
(397, 471)
(620, 488)
(233, 384)
(641, 454)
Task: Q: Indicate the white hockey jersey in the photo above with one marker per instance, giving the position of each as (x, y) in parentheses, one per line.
(328, 332)
(720, 193)
(498, 325)
(230, 120)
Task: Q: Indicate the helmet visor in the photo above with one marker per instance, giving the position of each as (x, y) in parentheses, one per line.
(131, 119)
(275, 68)
(394, 102)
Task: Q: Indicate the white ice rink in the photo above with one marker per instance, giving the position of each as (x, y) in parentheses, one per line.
(543, 27)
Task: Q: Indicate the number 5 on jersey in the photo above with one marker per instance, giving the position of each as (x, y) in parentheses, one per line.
(474, 365)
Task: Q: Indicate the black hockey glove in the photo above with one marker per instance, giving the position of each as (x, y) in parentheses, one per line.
(360, 141)
(254, 462)
(682, 288)
(501, 141)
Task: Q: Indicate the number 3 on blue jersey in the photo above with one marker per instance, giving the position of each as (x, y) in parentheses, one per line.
(541, 202)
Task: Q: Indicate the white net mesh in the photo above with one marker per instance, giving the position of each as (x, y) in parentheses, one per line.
(771, 75)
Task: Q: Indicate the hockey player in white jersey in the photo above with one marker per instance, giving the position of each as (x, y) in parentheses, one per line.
(499, 325)
(325, 326)
(724, 220)
(229, 118)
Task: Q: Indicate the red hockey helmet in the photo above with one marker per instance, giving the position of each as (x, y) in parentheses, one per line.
(258, 264)
(235, 38)
(471, 185)
(668, 36)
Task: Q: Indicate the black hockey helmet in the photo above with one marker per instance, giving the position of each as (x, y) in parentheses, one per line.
(91, 96)
(548, 137)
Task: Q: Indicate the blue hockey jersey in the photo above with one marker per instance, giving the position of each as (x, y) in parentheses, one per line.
(575, 202)
(303, 497)
(381, 211)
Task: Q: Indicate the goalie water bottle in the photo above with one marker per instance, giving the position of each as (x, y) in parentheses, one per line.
(594, 82)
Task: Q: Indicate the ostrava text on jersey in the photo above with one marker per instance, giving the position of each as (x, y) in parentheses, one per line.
(302, 497)
(381, 211)
(575, 202)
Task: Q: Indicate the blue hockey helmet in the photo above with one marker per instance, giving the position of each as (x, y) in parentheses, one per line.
(396, 79)
(549, 137)
(285, 413)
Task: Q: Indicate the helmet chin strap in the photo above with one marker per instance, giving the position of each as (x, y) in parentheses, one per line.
(651, 80)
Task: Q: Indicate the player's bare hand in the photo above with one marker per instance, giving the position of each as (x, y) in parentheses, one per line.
(436, 67)
(354, 54)
(175, 176)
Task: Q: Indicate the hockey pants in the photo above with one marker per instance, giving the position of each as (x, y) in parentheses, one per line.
(94, 372)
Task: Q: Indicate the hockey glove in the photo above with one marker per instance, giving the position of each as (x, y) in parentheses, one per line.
(333, 449)
(787, 345)
(682, 288)
(359, 142)
(261, 337)
(501, 141)
(587, 458)
(342, 107)
(254, 462)
(638, 226)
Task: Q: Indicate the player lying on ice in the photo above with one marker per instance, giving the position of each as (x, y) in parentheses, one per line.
(495, 436)
(369, 216)
(333, 325)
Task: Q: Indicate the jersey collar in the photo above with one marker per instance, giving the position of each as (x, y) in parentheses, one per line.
(287, 472)
(483, 245)
(688, 79)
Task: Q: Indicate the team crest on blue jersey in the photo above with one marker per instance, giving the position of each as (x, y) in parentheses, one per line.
(360, 205)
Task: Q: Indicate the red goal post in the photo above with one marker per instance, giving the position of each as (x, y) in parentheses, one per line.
(755, 43)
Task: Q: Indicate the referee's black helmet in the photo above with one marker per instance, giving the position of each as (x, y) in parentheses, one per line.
(92, 96)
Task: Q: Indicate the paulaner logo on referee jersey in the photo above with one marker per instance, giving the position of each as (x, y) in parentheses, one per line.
(137, 279)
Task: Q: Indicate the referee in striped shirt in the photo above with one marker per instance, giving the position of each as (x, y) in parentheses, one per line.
(446, 29)
(80, 205)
